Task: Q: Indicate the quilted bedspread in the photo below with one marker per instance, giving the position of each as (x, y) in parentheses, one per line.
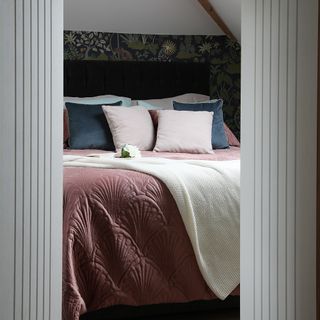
(125, 242)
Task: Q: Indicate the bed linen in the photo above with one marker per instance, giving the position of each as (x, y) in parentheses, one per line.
(125, 241)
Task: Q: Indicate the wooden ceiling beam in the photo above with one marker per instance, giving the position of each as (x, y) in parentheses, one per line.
(216, 18)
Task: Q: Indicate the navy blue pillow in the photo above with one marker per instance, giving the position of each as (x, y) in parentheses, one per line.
(218, 138)
(88, 127)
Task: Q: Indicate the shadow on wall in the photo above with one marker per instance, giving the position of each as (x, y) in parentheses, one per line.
(222, 53)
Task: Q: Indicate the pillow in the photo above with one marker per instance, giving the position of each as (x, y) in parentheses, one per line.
(88, 127)
(184, 131)
(154, 105)
(219, 139)
(130, 126)
(105, 99)
(65, 127)
(232, 139)
(167, 103)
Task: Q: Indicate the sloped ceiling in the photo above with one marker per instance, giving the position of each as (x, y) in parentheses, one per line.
(230, 12)
(148, 16)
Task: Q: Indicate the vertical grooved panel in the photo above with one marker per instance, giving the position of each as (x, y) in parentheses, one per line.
(274, 159)
(291, 161)
(47, 138)
(26, 176)
(7, 159)
(249, 294)
(41, 161)
(258, 233)
(265, 159)
(278, 159)
(306, 133)
(282, 162)
(19, 163)
(31, 159)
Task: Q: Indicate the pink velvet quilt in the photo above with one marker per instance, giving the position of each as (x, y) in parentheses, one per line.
(124, 240)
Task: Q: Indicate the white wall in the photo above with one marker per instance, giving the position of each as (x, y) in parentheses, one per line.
(31, 57)
(139, 16)
(278, 156)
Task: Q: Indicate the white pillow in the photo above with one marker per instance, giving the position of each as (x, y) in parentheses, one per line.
(167, 103)
(130, 126)
(105, 99)
(184, 131)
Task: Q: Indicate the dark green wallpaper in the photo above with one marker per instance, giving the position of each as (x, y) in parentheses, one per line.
(222, 53)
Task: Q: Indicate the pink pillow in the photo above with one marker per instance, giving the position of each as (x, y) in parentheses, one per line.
(184, 131)
(130, 126)
(232, 139)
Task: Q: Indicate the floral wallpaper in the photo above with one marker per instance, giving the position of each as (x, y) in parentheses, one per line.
(222, 53)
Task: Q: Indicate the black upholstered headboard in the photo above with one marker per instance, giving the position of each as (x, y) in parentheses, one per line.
(137, 80)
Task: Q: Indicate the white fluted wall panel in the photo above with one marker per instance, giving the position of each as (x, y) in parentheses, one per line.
(278, 200)
(30, 157)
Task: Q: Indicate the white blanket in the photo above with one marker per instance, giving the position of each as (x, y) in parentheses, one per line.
(207, 194)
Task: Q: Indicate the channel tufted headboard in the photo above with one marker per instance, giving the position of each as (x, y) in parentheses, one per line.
(137, 80)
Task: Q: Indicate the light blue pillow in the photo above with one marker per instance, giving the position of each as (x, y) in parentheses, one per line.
(125, 102)
(218, 138)
(148, 105)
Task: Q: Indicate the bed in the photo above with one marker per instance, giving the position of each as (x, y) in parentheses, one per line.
(126, 248)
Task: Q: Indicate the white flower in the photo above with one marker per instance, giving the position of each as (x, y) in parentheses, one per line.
(129, 151)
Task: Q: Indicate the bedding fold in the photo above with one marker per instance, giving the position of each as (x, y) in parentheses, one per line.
(207, 194)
